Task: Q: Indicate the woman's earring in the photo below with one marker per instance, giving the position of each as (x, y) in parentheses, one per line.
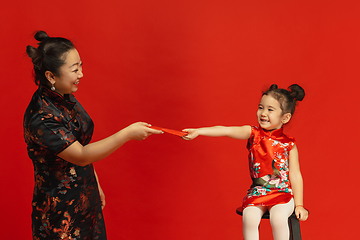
(52, 87)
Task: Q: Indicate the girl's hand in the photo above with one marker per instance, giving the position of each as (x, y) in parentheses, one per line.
(140, 131)
(191, 133)
(301, 213)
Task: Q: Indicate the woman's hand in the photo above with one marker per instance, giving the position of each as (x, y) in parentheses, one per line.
(301, 213)
(191, 133)
(101, 193)
(102, 197)
(140, 131)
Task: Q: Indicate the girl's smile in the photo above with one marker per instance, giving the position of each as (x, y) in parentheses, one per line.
(270, 115)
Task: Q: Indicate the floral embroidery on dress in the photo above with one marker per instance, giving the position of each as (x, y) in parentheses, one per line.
(269, 167)
(66, 202)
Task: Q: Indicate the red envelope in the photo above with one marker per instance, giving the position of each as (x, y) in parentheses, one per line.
(174, 132)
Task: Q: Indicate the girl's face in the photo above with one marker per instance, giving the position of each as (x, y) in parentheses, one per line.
(269, 114)
(70, 74)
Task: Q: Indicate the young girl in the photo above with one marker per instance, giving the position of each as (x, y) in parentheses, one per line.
(277, 184)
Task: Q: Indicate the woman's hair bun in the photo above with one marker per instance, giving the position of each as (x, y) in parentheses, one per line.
(41, 36)
(296, 92)
(32, 52)
(48, 56)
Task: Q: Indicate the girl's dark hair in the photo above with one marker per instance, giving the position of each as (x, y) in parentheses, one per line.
(286, 98)
(50, 55)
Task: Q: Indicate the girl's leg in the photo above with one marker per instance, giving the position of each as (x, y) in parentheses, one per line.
(251, 220)
(279, 215)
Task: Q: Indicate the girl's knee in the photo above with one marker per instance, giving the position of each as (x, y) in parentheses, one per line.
(279, 221)
(251, 222)
(252, 216)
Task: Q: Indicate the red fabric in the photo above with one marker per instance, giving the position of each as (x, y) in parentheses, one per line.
(269, 167)
(268, 200)
(174, 132)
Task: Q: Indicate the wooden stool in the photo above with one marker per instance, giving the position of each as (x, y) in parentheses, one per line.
(294, 225)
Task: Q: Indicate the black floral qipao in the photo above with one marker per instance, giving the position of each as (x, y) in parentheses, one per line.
(66, 202)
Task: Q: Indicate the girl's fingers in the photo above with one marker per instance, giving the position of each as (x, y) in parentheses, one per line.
(302, 215)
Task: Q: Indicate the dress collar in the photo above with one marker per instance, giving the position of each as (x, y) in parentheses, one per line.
(59, 100)
(272, 134)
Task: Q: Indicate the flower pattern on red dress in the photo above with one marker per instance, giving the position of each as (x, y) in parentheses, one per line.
(269, 167)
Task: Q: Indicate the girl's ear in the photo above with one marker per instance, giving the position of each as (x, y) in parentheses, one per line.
(286, 118)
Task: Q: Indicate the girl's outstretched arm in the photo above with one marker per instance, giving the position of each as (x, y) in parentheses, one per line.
(297, 184)
(242, 132)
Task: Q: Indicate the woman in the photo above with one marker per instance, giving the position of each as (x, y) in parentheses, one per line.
(68, 200)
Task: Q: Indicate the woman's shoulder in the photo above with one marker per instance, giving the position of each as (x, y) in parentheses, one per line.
(39, 109)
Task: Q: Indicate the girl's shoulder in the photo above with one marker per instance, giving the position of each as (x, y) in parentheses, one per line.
(255, 130)
(287, 142)
(254, 133)
(288, 138)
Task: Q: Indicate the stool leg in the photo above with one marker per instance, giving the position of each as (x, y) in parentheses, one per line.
(294, 226)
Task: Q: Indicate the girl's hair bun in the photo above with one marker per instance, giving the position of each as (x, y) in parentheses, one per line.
(273, 87)
(286, 97)
(296, 92)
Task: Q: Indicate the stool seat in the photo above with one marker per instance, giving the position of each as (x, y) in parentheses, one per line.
(294, 225)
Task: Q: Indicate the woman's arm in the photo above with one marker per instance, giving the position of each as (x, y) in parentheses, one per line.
(84, 155)
(297, 184)
(242, 132)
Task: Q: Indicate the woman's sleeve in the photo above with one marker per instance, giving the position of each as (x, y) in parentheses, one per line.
(51, 132)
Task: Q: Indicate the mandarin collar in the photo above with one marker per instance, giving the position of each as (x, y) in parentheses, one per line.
(58, 99)
(272, 134)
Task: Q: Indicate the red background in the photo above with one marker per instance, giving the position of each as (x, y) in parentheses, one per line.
(192, 63)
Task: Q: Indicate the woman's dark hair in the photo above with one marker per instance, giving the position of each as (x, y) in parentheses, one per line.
(286, 98)
(50, 55)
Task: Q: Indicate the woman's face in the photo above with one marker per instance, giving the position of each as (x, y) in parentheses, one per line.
(70, 74)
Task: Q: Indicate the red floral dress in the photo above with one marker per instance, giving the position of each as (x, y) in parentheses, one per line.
(66, 202)
(269, 167)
